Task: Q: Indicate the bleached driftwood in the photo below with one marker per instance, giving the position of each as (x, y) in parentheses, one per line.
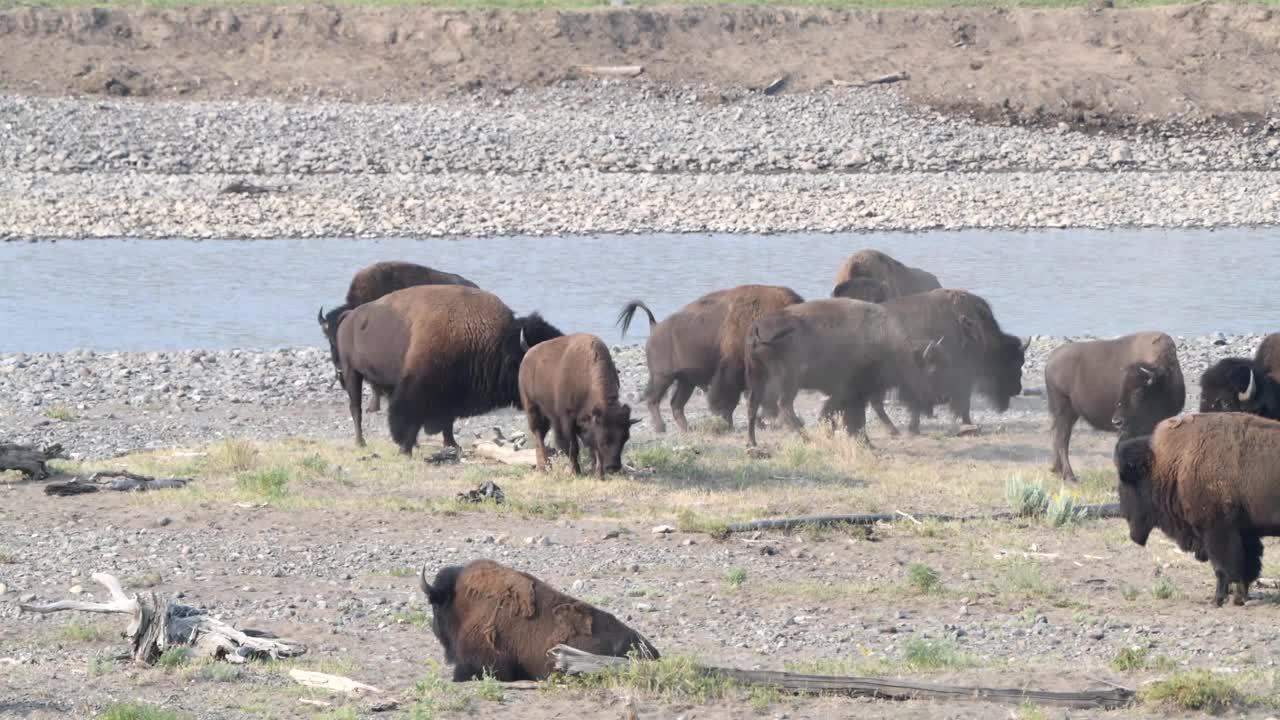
(505, 454)
(882, 80)
(120, 480)
(332, 683)
(1110, 510)
(160, 624)
(576, 662)
(611, 70)
(30, 461)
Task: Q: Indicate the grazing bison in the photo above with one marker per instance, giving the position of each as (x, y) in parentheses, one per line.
(440, 352)
(703, 346)
(571, 384)
(492, 619)
(898, 279)
(372, 283)
(1240, 385)
(848, 349)
(980, 355)
(1128, 384)
(1212, 484)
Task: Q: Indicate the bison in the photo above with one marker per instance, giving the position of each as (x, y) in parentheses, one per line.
(862, 288)
(1128, 384)
(848, 349)
(1268, 355)
(1240, 385)
(570, 384)
(1211, 482)
(702, 345)
(440, 352)
(898, 279)
(491, 619)
(372, 283)
(980, 355)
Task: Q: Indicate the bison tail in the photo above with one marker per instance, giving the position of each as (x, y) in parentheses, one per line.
(629, 311)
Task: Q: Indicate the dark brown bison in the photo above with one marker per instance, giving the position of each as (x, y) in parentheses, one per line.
(847, 349)
(1240, 385)
(440, 352)
(372, 283)
(1212, 484)
(1128, 384)
(491, 619)
(980, 355)
(702, 345)
(1268, 355)
(570, 384)
(898, 279)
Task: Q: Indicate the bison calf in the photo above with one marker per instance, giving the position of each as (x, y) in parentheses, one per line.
(570, 384)
(1212, 484)
(1128, 384)
(492, 619)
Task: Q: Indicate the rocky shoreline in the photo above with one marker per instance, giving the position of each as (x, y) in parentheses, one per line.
(599, 158)
(105, 404)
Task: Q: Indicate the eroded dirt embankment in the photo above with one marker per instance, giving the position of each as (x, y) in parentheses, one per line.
(1093, 66)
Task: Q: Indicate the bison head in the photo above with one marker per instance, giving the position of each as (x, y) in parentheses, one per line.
(1231, 385)
(1000, 372)
(1137, 411)
(862, 288)
(444, 616)
(329, 323)
(1133, 461)
(606, 430)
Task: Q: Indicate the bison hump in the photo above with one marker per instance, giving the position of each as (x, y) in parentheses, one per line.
(573, 619)
(511, 590)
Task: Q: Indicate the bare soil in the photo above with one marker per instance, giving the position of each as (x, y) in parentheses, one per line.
(1085, 66)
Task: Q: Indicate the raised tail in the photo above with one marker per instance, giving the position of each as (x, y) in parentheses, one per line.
(629, 311)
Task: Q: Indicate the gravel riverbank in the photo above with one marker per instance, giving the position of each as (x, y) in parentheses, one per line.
(599, 158)
(104, 404)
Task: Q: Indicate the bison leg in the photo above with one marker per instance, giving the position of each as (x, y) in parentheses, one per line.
(877, 406)
(960, 405)
(538, 427)
(355, 391)
(449, 441)
(681, 395)
(1227, 553)
(1063, 421)
(653, 394)
(574, 450)
(855, 415)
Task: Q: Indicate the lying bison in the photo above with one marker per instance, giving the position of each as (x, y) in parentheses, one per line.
(570, 384)
(440, 352)
(702, 346)
(862, 288)
(898, 279)
(491, 619)
(847, 349)
(1240, 385)
(1128, 384)
(372, 283)
(1212, 484)
(980, 355)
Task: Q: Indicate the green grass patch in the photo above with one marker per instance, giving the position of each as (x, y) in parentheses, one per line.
(688, 521)
(923, 579)
(220, 672)
(173, 658)
(1026, 498)
(435, 695)
(231, 457)
(926, 655)
(77, 631)
(1023, 579)
(735, 577)
(1135, 658)
(403, 572)
(7, 557)
(1164, 589)
(488, 689)
(272, 484)
(1063, 509)
(100, 665)
(61, 413)
(1030, 711)
(416, 618)
(137, 711)
(671, 679)
(1195, 690)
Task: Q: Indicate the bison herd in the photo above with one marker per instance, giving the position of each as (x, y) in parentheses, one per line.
(440, 348)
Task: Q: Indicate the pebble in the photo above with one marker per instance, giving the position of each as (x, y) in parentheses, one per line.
(76, 589)
(663, 530)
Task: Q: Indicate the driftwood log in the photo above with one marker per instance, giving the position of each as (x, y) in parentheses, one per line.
(1110, 510)
(160, 624)
(505, 454)
(29, 461)
(119, 480)
(611, 70)
(576, 662)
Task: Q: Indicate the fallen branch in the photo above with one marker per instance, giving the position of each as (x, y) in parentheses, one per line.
(505, 454)
(158, 625)
(611, 70)
(119, 480)
(1111, 510)
(882, 80)
(30, 461)
(576, 662)
(332, 683)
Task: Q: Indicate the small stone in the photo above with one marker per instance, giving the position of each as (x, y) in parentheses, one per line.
(768, 550)
(662, 530)
(162, 522)
(545, 541)
(633, 568)
(3, 588)
(964, 610)
(1096, 635)
(76, 590)
(28, 597)
(610, 535)
(578, 585)
(688, 541)
(644, 607)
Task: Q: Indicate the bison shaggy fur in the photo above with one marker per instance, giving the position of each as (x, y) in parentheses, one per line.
(1240, 385)
(440, 352)
(571, 384)
(702, 345)
(1128, 384)
(1211, 482)
(491, 619)
(898, 279)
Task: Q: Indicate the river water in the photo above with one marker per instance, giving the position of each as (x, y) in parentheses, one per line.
(181, 294)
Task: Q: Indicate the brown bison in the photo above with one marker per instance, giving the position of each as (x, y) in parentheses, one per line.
(1128, 384)
(491, 619)
(440, 352)
(703, 346)
(847, 349)
(898, 279)
(372, 283)
(862, 288)
(1268, 355)
(980, 355)
(1212, 484)
(570, 384)
(1240, 385)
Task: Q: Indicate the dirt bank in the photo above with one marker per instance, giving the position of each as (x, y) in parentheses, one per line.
(1092, 66)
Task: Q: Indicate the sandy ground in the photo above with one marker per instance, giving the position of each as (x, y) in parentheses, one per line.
(1088, 66)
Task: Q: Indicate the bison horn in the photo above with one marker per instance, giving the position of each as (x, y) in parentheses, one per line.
(1248, 393)
(422, 582)
(320, 315)
(524, 344)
